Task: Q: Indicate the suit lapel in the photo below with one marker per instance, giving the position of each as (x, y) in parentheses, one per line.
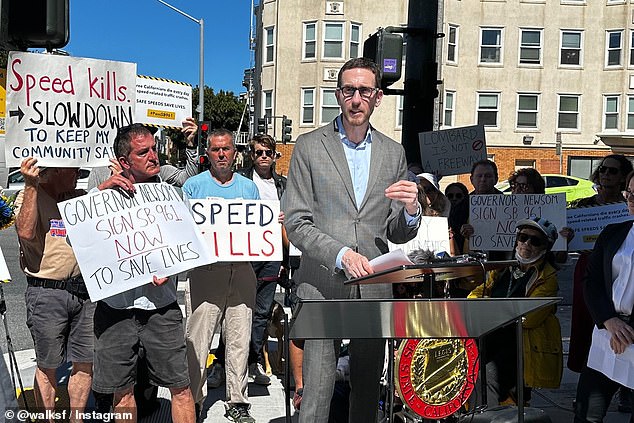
(376, 164)
(334, 148)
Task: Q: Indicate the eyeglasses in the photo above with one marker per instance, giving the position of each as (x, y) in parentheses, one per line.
(535, 241)
(267, 153)
(609, 169)
(520, 186)
(452, 196)
(364, 92)
(627, 194)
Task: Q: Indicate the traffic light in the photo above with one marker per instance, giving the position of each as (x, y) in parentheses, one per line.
(286, 129)
(262, 126)
(386, 50)
(38, 23)
(203, 135)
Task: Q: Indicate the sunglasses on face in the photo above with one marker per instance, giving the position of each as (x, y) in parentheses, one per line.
(267, 153)
(609, 169)
(452, 196)
(520, 186)
(535, 241)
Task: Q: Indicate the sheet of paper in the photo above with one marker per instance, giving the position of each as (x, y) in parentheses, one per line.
(392, 259)
(618, 367)
(4, 270)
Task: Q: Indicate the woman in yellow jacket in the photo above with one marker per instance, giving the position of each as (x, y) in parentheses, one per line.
(535, 276)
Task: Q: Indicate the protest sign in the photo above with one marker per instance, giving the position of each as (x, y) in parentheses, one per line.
(240, 230)
(120, 242)
(433, 235)
(4, 270)
(65, 111)
(494, 216)
(452, 151)
(161, 102)
(588, 222)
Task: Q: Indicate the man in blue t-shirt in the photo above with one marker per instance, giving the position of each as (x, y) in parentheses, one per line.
(226, 288)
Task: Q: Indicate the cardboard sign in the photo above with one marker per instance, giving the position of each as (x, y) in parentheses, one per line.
(120, 242)
(240, 230)
(433, 235)
(588, 222)
(493, 218)
(161, 102)
(65, 110)
(452, 151)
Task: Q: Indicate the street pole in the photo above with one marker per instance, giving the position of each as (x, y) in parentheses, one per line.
(201, 82)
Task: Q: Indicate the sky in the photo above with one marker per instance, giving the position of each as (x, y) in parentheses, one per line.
(164, 43)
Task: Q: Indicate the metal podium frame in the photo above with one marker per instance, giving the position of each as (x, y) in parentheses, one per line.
(405, 318)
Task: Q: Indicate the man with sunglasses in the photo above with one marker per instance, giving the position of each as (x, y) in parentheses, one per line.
(147, 317)
(347, 195)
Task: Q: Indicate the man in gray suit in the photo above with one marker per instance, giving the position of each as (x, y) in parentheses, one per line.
(347, 194)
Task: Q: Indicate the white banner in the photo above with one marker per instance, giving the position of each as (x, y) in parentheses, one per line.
(493, 218)
(433, 235)
(120, 242)
(161, 102)
(588, 222)
(452, 151)
(65, 110)
(4, 270)
(240, 230)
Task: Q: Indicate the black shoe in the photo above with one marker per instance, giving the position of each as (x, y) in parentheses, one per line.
(239, 413)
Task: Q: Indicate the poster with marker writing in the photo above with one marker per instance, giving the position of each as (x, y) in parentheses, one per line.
(121, 241)
(65, 111)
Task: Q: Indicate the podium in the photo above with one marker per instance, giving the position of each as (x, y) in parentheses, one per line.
(415, 318)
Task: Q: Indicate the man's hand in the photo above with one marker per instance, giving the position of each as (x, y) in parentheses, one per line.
(466, 230)
(158, 281)
(31, 172)
(118, 180)
(355, 264)
(407, 193)
(622, 334)
(280, 218)
(190, 129)
(115, 167)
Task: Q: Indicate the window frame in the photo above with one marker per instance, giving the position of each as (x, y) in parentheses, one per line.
(630, 114)
(305, 40)
(400, 102)
(480, 109)
(341, 41)
(539, 48)
(580, 48)
(357, 43)
(577, 128)
(303, 91)
(609, 49)
(268, 45)
(453, 44)
(499, 47)
(446, 109)
(267, 97)
(322, 91)
(527, 111)
(614, 114)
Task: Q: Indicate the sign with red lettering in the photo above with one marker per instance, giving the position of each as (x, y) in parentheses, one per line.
(452, 151)
(122, 241)
(65, 110)
(240, 230)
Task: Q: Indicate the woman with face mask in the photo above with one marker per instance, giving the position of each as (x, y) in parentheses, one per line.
(534, 276)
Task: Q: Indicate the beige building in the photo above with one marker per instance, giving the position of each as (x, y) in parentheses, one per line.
(531, 71)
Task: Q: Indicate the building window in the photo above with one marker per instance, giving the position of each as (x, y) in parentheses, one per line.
(571, 48)
(631, 48)
(568, 112)
(310, 40)
(527, 108)
(269, 46)
(530, 46)
(611, 112)
(613, 48)
(448, 108)
(452, 44)
(490, 45)
(524, 163)
(329, 105)
(333, 40)
(355, 40)
(630, 113)
(399, 111)
(268, 105)
(488, 109)
(308, 106)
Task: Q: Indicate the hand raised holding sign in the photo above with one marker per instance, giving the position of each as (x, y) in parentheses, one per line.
(117, 180)
(190, 128)
(31, 172)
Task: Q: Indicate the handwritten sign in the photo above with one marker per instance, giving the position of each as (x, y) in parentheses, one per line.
(588, 222)
(162, 102)
(493, 218)
(64, 110)
(120, 242)
(240, 230)
(433, 235)
(452, 151)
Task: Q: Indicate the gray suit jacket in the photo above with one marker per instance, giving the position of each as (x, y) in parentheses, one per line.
(321, 215)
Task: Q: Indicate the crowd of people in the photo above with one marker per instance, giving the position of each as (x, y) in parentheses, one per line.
(349, 191)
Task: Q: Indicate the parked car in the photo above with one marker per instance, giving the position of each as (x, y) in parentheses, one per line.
(15, 181)
(572, 186)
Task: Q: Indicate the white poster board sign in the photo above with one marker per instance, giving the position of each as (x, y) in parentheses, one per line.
(161, 102)
(240, 230)
(493, 218)
(588, 222)
(4, 270)
(65, 110)
(452, 151)
(120, 242)
(433, 235)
